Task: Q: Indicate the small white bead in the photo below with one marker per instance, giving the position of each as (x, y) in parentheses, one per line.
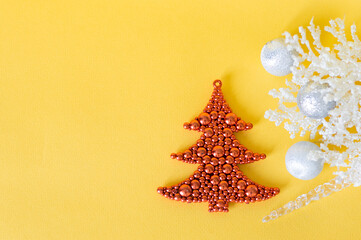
(298, 163)
(275, 57)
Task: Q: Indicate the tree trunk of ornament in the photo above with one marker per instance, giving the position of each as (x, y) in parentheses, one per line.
(218, 179)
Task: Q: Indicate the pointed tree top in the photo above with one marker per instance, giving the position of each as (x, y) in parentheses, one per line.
(217, 112)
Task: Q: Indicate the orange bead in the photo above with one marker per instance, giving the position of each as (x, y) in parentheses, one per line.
(213, 115)
(251, 191)
(223, 185)
(227, 132)
(194, 125)
(187, 154)
(201, 152)
(160, 190)
(249, 126)
(221, 114)
(195, 184)
(185, 190)
(241, 184)
(204, 118)
(234, 152)
(186, 125)
(209, 168)
(248, 154)
(230, 160)
(215, 179)
(208, 132)
(177, 197)
(218, 151)
(221, 204)
(214, 161)
(239, 174)
(231, 118)
(197, 174)
(241, 125)
(227, 168)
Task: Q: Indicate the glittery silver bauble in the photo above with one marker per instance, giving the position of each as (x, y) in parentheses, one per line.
(310, 101)
(298, 162)
(275, 57)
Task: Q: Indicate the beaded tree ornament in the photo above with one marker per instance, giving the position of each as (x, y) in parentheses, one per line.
(218, 179)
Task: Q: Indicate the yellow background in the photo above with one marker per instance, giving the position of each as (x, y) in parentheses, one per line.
(93, 96)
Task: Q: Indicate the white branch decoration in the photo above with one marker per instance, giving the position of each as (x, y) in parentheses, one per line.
(340, 132)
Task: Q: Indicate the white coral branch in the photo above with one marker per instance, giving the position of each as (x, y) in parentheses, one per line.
(338, 66)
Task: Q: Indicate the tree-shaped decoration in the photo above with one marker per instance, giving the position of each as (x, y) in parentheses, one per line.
(218, 179)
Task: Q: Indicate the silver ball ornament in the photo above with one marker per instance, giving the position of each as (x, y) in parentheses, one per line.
(275, 57)
(310, 101)
(298, 163)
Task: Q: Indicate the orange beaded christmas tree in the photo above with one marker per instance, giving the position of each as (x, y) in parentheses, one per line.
(218, 179)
